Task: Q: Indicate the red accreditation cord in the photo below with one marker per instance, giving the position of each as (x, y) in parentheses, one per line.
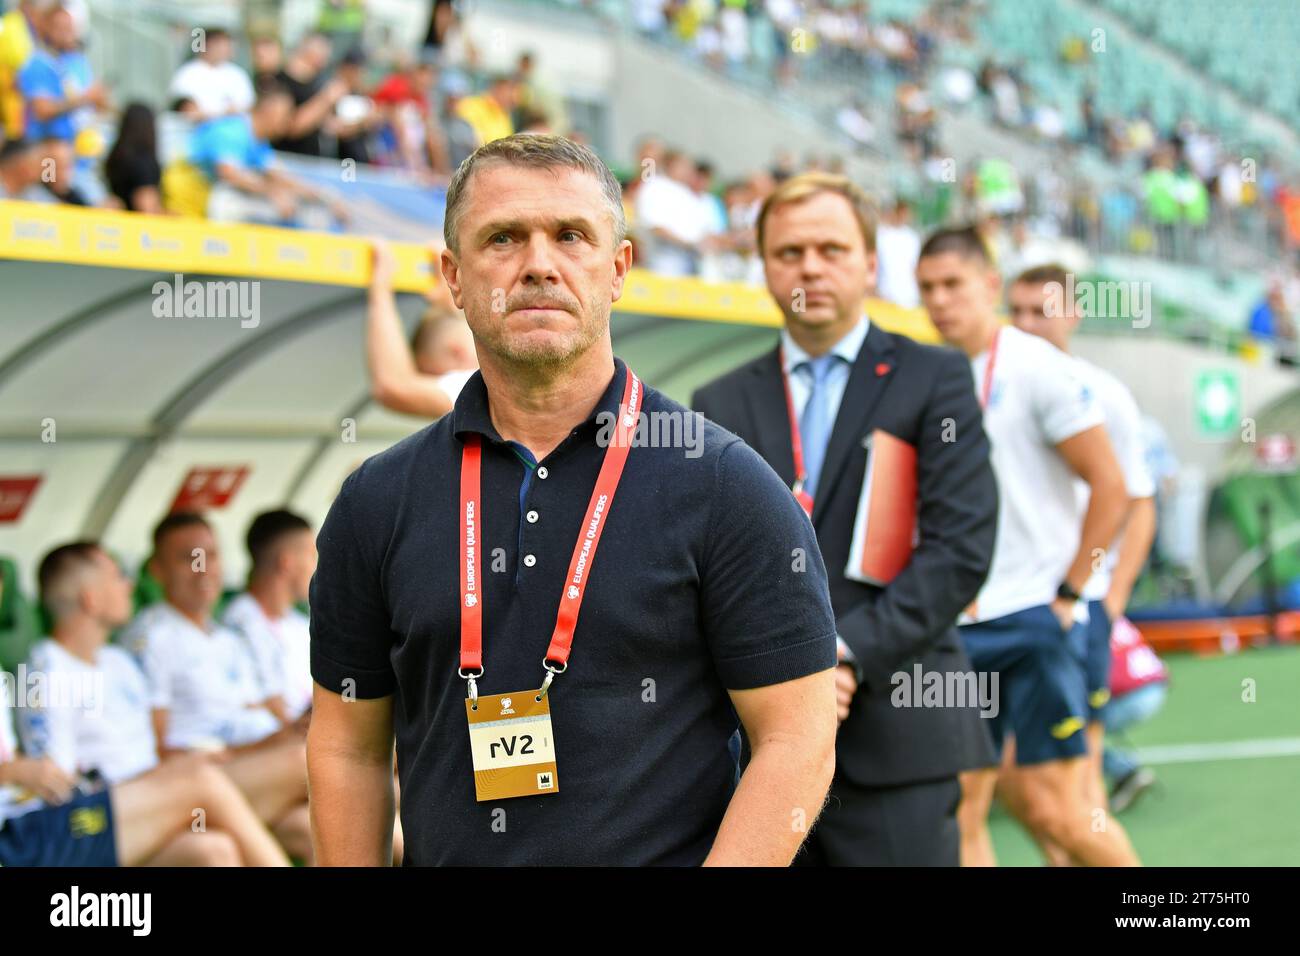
(511, 742)
(796, 443)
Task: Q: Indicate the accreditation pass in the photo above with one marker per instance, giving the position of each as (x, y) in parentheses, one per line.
(512, 746)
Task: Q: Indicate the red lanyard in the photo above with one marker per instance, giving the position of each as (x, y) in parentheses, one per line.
(987, 390)
(584, 550)
(796, 443)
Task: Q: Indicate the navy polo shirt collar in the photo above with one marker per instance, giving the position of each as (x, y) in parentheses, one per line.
(471, 415)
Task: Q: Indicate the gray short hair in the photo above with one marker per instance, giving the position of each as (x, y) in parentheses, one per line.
(535, 151)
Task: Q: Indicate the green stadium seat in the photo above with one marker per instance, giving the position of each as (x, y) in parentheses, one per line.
(20, 622)
(1242, 497)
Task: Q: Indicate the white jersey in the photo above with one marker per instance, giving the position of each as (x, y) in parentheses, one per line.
(204, 677)
(1036, 400)
(1124, 426)
(216, 90)
(281, 649)
(13, 802)
(94, 716)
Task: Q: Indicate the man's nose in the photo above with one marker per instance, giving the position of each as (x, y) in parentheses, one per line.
(812, 264)
(539, 259)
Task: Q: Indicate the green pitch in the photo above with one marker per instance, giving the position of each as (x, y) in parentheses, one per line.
(1214, 804)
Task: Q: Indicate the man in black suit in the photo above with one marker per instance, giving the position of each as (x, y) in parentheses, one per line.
(807, 407)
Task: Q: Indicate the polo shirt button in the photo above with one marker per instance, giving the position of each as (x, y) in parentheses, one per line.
(529, 560)
(542, 473)
(532, 517)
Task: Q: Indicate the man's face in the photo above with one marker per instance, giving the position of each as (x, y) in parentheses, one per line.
(25, 168)
(107, 595)
(266, 55)
(958, 292)
(220, 49)
(1040, 310)
(317, 52)
(816, 261)
(61, 31)
(188, 566)
(299, 560)
(537, 269)
(506, 95)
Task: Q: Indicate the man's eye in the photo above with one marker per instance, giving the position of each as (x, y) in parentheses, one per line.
(500, 235)
(570, 232)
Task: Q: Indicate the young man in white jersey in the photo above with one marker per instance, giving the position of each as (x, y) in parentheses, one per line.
(1038, 305)
(58, 815)
(1046, 431)
(203, 686)
(283, 551)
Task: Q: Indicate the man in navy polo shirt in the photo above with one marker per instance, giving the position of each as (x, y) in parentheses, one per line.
(676, 580)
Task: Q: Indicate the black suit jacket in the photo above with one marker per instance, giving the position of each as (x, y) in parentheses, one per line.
(924, 395)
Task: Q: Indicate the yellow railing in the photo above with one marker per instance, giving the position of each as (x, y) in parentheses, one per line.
(121, 240)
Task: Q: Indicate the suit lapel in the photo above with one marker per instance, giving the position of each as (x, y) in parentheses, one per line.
(771, 417)
(868, 379)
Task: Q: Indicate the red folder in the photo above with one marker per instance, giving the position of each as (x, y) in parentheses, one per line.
(884, 532)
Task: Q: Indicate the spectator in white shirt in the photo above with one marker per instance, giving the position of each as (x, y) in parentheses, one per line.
(673, 219)
(898, 245)
(217, 86)
(203, 686)
(283, 551)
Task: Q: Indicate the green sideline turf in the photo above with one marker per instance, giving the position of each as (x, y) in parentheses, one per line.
(1239, 812)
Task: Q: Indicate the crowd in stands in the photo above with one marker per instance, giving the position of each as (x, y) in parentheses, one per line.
(1190, 174)
(331, 98)
(198, 682)
(325, 97)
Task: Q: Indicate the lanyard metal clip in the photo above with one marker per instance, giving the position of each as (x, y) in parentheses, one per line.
(473, 685)
(550, 676)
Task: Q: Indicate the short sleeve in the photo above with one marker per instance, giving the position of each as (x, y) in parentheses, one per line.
(351, 633)
(49, 731)
(39, 78)
(1064, 405)
(764, 598)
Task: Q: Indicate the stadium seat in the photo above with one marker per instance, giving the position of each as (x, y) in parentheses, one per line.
(20, 623)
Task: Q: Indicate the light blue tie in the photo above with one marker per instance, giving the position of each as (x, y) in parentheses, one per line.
(815, 422)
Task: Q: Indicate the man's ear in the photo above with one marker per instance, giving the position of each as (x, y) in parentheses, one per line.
(622, 263)
(450, 269)
(873, 271)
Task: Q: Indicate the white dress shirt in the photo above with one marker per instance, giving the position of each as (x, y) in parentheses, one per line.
(801, 380)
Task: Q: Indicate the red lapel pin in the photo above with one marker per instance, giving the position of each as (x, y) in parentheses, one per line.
(882, 369)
